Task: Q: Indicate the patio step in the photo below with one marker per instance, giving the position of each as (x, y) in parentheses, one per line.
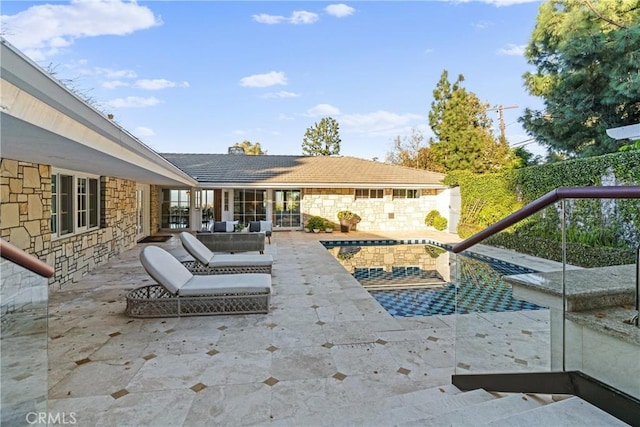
(448, 406)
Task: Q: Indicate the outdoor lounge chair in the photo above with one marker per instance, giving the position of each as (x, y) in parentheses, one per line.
(180, 293)
(206, 262)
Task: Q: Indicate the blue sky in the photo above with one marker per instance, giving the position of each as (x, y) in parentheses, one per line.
(199, 76)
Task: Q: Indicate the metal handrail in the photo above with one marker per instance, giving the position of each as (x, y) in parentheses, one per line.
(23, 259)
(605, 192)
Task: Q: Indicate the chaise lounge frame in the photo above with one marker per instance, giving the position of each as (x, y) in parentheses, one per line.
(179, 293)
(202, 259)
(155, 301)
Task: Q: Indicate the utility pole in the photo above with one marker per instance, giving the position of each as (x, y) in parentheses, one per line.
(500, 109)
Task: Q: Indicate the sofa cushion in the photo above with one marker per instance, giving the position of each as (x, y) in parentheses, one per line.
(218, 284)
(254, 226)
(219, 226)
(231, 226)
(266, 226)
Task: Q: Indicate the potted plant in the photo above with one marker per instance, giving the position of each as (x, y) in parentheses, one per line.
(315, 223)
(345, 218)
(328, 226)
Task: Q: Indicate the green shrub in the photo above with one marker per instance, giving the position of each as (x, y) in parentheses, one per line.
(428, 220)
(315, 223)
(440, 223)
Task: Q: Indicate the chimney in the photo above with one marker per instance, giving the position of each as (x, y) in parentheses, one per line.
(236, 150)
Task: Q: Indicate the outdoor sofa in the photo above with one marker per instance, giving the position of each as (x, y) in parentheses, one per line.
(180, 293)
(206, 262)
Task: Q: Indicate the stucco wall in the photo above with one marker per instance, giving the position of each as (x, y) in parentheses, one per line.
(386, 214)
(25, 209)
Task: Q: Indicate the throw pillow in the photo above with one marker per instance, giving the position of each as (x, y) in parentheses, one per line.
(266, 225)
(254, 226)
(231, 226)
(219, 226)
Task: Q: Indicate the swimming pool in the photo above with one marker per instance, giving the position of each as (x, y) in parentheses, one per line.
(416, 278)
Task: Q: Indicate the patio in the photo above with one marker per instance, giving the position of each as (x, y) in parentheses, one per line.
(327, 347)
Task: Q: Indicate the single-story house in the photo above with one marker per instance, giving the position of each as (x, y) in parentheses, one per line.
(77, 189)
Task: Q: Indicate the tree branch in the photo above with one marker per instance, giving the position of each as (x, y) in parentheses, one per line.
(601, 16)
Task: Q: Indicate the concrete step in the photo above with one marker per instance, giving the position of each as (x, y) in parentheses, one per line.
(480, 413)
(392, 410)
(567, 413)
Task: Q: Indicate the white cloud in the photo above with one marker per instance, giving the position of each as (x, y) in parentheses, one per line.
(143, 131)
(114, 74)
(339, 10)
(379, 123)
(303, 17)
(264, 18)
(428, 51)
(512, 50)
(297, 17)
(264, 80)
(157, 84)
(281, 94)
(133, 102)
(113, 84)
(42, 31)
(323, 110)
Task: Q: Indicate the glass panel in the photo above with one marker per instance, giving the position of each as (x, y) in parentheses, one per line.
(94, 200)
(81, 195)
(175, 208)
(286, 208)
(23, 339)
(249, 205)
(66, 204)
(503, 323)
(207, 206)
(602, 237)
(54, 204)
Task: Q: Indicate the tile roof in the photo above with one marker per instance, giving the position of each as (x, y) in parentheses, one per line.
(309, 171)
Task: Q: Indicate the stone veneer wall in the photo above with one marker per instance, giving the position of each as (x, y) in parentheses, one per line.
(386, 214)
(25, 191)
(154, 208)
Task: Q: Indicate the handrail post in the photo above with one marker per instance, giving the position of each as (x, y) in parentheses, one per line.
(564, 281)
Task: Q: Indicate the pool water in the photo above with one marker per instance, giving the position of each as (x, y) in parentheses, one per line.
(413, 278)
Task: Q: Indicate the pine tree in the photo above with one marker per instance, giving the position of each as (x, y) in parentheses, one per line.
(322, 139)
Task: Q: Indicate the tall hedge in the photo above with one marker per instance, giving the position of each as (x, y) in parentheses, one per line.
(487, 198)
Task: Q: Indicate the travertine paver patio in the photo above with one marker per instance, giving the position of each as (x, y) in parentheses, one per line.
(326, 344)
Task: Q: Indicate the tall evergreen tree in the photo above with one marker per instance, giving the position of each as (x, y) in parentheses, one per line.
(463, 135)
(322, 139)
(587, 56)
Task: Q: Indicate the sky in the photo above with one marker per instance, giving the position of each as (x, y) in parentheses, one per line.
(200, 76)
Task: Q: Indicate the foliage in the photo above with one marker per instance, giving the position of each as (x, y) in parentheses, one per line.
(428, 220)
(328, 224)
(440, 223)
(315, 223)
(597, 231)
(486, 198)
(586, 56)
(435, 220)
(251, 149)
(348, 216)
(411, 152)
(434, 251)
(322, 139)
(463, 135)
(577, 253)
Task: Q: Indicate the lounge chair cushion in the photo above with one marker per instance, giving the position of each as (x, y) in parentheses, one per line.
(226, 283)
(196, 248)
(227, 260)
(165, 268)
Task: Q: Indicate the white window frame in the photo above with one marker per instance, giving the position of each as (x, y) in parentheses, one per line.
(365, 193)
(406, 193)
(77, 210)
